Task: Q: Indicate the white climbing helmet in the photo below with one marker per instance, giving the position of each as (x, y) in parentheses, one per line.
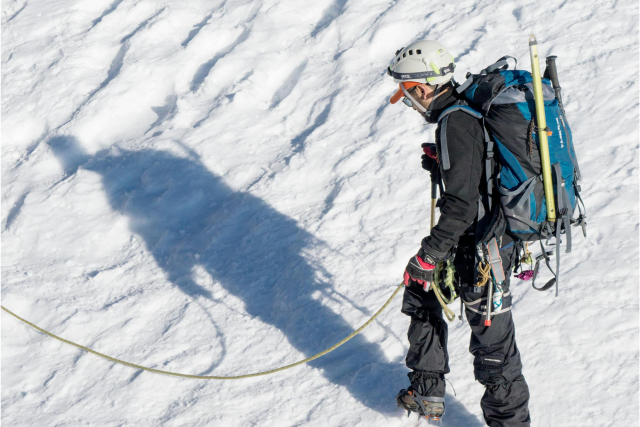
(424, 61)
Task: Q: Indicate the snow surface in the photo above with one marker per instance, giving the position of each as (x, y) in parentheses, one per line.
(221, 187)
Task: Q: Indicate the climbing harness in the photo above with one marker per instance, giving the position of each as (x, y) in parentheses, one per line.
(212, 377)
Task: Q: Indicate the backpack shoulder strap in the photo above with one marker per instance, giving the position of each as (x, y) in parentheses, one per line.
(442, 122)
(488, 164)
(446, 164)
(489, 146)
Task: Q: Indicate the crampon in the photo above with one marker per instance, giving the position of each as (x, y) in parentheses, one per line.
(431, 408)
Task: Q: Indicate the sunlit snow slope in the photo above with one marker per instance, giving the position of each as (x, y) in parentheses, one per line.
(221, 187)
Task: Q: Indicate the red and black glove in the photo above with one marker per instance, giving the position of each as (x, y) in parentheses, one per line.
(430, 157)
(420, 269)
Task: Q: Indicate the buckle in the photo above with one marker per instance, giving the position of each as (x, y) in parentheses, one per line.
(447, 69)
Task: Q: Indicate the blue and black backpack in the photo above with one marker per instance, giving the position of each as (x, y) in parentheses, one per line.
(515, 203)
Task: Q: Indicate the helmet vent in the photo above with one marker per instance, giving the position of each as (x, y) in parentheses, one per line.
(419, 52)
(410, 52)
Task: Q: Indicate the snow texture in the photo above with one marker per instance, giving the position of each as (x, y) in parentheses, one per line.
(217, 187)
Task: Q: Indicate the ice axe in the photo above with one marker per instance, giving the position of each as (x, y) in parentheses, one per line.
(541, 121)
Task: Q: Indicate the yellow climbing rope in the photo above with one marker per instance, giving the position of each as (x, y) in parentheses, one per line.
(485, 273)
(211, 377)
(448, 281)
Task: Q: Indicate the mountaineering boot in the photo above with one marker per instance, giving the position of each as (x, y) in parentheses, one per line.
(431, 408)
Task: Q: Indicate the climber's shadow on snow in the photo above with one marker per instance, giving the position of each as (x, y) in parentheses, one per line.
(188, 217)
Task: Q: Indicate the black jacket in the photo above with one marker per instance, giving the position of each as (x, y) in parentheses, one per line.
(463, 181)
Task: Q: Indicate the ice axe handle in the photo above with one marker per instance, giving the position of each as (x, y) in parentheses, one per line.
(487, 321)
(551, 72)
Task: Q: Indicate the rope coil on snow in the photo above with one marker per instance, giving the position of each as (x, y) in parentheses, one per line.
(212, 377)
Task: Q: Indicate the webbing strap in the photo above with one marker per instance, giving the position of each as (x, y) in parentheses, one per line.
(496, 66)
(441, 189)
(499, 64)
(433, 399)
(488, 169)
(423, 74)
(533, 225)
(544, 255)
(522, 193)
(567, 223)
(496, 261)
(558, 227)
(581, 221)
(490, 69)
(561, 220)
(465, 85)
(444, 148)
(583, 209)
(564, 205)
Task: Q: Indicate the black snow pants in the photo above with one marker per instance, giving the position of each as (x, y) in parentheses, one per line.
(496, 362)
